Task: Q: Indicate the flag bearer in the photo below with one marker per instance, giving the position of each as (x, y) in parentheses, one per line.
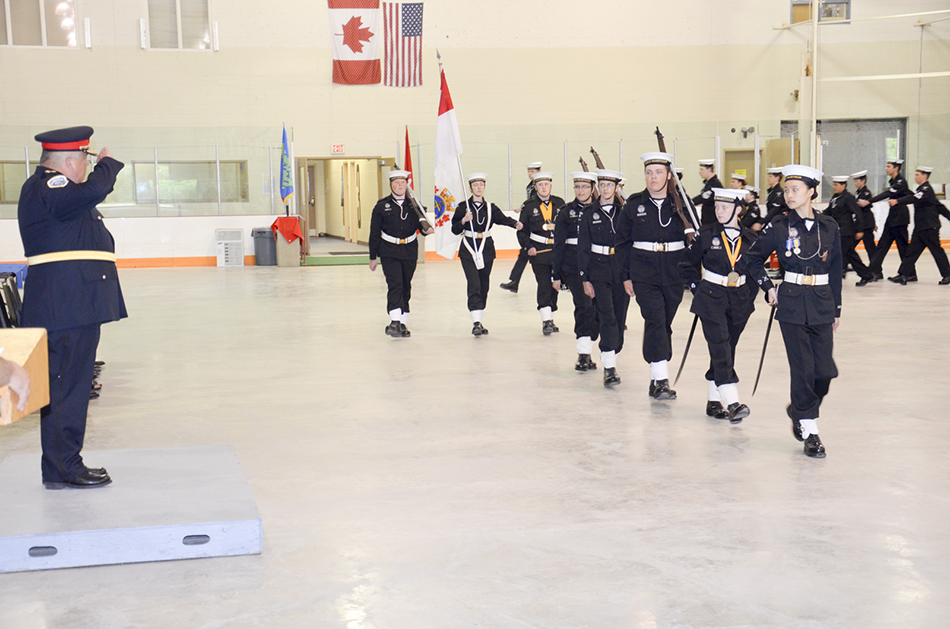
(537, 239)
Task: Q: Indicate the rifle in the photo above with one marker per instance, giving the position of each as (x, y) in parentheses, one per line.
(420, 211)
(600, 165)
(596, 192)
(681, 199)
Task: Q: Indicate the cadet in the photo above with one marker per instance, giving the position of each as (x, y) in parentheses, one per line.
(737, 181)
(531, 194)
(707, 171)
(474, 219)
(537, 238)
(72, 289)
(895, 226)
(651, 235)
(723, 299)
(844, 209)
(868, 224)
(752, 218)
(927, 213)
(564, 266)
(775, 196)
(393, 230)
(808, 301)
(601, 268)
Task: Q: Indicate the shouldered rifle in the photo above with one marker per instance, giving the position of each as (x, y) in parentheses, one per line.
(600, 165)
(420, 211)
(684, 205)
(583, 164)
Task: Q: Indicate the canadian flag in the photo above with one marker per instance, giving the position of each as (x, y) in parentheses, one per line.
(355, 31)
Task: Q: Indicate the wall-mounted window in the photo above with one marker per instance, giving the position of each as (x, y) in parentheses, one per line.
(190, 182)
(831, 11)
(179, 24)
(12, 178)
(38, 23)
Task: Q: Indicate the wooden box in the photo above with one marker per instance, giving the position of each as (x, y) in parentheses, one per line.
(26, 347)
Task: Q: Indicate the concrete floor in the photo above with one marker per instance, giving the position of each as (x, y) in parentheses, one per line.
(447, 481)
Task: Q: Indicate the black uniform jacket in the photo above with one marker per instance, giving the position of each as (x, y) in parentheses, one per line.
(867, 213)
(752, 215)
(534, 223)
(56, 214)
(642, 221)
(708, 251)
(530, 192)
(567, 225)
(898, 214)
(708, 200)
(399, 222)
(774, 203)
(481, 221)
(927, 208)
(819, 253)
(599, 227)
(844, 209)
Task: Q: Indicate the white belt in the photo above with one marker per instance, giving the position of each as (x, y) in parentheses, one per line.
(807, 280)
(62, 256)
(570, 241)
(659, 246)
(477, 235)
(541, 239)
(721, 280)
(398, 241)
(602, 250)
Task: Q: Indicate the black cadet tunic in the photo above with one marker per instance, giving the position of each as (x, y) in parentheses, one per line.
(392, 221)
(476, 234)
(895, 225)
(600, 262)
(868, 222)
(564, 266)
(708, 200)
(774, 203)
(927, 212)
(843, 207)
(539, 233)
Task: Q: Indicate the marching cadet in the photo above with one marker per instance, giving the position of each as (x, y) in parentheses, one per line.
(707, 170)
(652, 237)
(737, 181)
(752, 218)
(898, 217)
(537, 238)
(775, 196)
(600, 268)
(531, 194)
(868, 224)
(393, 230)
(808, 302)
(843, 207)
(473, 219)
(564, 266)
(723, 299)
(927, 213)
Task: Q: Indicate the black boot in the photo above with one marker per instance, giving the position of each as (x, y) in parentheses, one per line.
(404, 331)
(547, 327)
(714, 409)
(511, 285)
(737, 412)
(898, 279)
(584, 363)
(814, 447)
(660, 390)
(478, 330)
(796, 426)
(610, 376)
(944, 281)
(393, 330)
(864, 281)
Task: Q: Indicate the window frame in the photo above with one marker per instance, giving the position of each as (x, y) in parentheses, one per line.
(8, 17)
(821, 3)
(211, 34)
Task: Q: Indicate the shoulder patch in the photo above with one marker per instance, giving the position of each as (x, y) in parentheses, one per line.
(59, 181)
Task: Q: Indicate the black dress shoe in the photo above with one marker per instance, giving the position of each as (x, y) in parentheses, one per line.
(96, 386)
(796, 425)
(100, 363)
(737, 412)
(86, 480)
(547, 327)
(478, 329)
(93, 395)
(393, 330)
(944, 281)
(584, 363)
(97, 471)
(512, 286)
(911, 278)
(814, 448)
(864, 282)
(610, 376)
(660, 390)
(898, 279)
(713, 409)
(404, 331)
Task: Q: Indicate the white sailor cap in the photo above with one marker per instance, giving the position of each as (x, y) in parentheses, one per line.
(477, 177)
(925, 169)
(609, 175)
(679, 171)
(728, 195)
(738, 176)
(584, 176)
(841, 178)
(751, 188)
(656, 157)
(811, 176)
(860, 175)
(775, 171)
(896, 162)
(707, 162)
(399, 174)
(534, 166)
(543, 176)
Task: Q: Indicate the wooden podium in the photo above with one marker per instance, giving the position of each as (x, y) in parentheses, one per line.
(26, 347)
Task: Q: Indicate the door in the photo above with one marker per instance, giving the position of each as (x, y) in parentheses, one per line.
(742, 162)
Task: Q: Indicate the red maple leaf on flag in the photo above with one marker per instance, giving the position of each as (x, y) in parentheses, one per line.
(354, 34)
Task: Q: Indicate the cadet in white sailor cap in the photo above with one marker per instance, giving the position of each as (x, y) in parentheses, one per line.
(774, 196)
(474, 219)
(537, 239)
(843, 207)
(869, 223)
(707, 170)
(736, 181)
(808, 301)
(927, 213)
(898, 217)
(531, 194)
(393, 229)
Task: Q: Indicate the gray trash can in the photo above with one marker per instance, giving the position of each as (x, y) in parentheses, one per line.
(265, 246)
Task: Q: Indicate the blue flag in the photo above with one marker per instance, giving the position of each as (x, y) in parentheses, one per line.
(286, 174)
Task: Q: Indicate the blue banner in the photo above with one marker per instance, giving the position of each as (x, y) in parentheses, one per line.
(286, 174)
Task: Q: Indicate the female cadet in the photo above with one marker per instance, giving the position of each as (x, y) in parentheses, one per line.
(600, 270)
(474, 219)
(723, 299)
(393, 229)
(537, 238)
(808, 301)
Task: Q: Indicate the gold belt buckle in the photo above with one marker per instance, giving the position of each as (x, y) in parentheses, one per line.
(808, 280)
(402, 241)
(611, 251)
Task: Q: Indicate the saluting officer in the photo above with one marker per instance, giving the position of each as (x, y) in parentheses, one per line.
(723, 299)
(927, 213)
(565, 269)
(843, 207)
(72, 289)
(652, 237)
(600, 267)
(393, 230)
(531, 194)
(707, 170)
(537, 238)
(898, 217)
(868, 223)
(775, 196)
(473, 219)
(808, 301)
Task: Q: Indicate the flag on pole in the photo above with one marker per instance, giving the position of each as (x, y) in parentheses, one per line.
(286, 172)
(403, 44)
(354, 30)
(449, 189)
(408, 161)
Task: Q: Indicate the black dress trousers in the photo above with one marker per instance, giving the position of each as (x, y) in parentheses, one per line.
(398, 274)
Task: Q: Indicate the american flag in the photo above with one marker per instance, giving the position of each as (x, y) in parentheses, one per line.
(403, 44)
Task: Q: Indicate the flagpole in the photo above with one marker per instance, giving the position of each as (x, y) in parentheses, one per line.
(458, 160)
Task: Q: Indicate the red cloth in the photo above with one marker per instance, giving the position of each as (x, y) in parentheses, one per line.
(289, 228)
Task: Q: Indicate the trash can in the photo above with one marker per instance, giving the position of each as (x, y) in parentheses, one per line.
(265, 246)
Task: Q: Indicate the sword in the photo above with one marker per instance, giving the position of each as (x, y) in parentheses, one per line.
(765, 344)
(686, 351)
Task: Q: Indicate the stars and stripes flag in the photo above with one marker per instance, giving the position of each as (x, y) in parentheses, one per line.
(449, 189)
(354, 30)
(402, 43)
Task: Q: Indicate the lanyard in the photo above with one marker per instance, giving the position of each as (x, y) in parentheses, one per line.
(728, 248)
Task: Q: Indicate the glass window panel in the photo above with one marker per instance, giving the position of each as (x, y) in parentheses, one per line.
(234, 182)
(60, 23)
(162, 24)
(191, 182)
(194, 24)
(123, 193)
(3, 23)
(25, 16)
(12, 178)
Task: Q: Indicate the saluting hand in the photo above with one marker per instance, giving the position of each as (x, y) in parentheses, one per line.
(105, 152)
(628, 287)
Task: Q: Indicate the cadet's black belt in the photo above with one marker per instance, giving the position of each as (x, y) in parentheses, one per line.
(807, 280)
(398, 241)
(602, 250)
(542, 239)
(659, 246)
(62, 256)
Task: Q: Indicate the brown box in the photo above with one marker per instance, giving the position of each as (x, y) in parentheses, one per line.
(26, 347)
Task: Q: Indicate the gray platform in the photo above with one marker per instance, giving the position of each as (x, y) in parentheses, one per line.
(182, 503)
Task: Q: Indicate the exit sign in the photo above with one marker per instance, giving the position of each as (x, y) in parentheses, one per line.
(337, 149)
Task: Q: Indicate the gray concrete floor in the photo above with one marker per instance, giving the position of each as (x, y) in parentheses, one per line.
(447, 481)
